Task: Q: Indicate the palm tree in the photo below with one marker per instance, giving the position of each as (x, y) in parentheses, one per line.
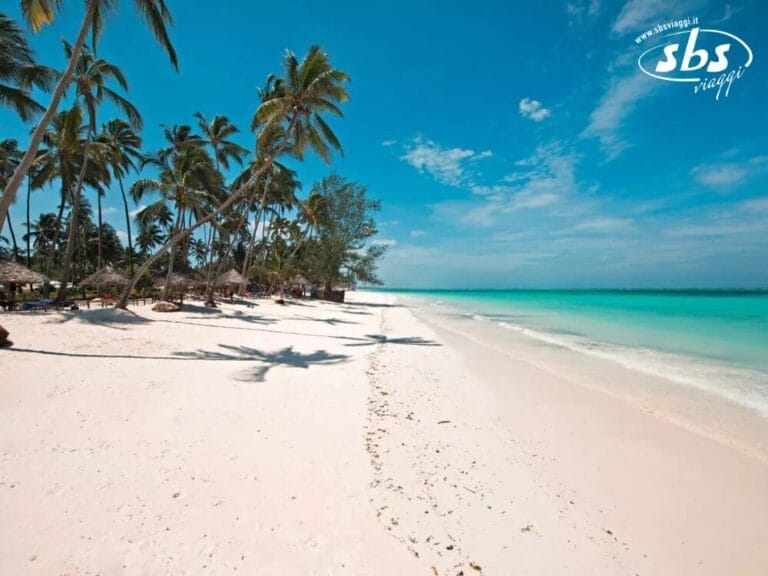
(292, 116)
(42, 231)
(63, 159)
(216, 134)
(38, 13)
(19, 73)
(90, 78)
(199, 249)
(150, 235)
(124, 145)
(10, 156)
(184, 181)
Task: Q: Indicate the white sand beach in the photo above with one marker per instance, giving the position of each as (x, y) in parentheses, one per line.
(358, 438)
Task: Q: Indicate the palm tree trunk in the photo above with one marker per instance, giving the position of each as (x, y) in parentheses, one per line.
(98, 232)
(72, 237)
(29, 235)
(14, 183)
(252, 242)
(56, 234)
(211, 240)
(13, 239)
(127, 224)
(176, 225)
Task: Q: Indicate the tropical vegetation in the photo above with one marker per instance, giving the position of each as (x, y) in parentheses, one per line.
(202, 202)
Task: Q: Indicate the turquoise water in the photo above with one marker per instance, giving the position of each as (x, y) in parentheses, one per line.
(711, 339)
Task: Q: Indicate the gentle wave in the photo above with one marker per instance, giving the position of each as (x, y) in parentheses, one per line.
(743, 386)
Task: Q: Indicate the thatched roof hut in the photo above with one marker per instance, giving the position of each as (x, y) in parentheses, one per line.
(181, 280)
(13, 272)
(230, 278)
(105, 277)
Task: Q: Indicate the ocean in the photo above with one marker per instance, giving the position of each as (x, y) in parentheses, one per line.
(712, 340)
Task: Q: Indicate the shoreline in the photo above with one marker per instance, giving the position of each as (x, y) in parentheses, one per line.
(364, 438)
(610, 485)
(714, 413)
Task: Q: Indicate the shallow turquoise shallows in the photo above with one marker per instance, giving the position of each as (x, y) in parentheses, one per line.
(687, 331)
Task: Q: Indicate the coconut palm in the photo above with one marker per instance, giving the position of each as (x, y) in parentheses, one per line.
(42, 234)
(216, 134)
(123, 144)
(291, 118)
(91, 78)
(63, 159)
(149, 236)
(38, 13)
(10, 156)
(184, 181)
(19, 73)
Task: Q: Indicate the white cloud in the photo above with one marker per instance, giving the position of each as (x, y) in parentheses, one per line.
(638, 15)
(719, 229)
(389, 142)
(605, 225)
(109, 210)
(418, 233)
(385, 242)
(548, 178)
(607, 119)
(579, 10)
(122, 235)
(729, 175)
(755, 205)
(136, 210)
(533, 110)
(446, 165)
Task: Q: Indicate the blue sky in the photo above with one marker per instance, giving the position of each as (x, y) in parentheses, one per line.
(511, 146)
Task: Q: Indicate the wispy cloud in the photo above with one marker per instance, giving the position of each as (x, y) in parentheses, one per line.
(607, 119)
(109, 210)
(533, 110)
(729, 175)
(581, 10)
(446, 165)
(122, 235)
(385, 242)
(388, 143)
(418, 233)
(606, 225)
(544, 179)
(755, 205)
(136, 210)
(637, 15)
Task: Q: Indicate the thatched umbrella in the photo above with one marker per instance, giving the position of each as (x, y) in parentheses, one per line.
(300, 280)
(15, 273)
(105, 277)
(230, 278)
(181, 280)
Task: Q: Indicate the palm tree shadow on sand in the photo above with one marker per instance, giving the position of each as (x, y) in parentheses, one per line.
(107, 317)
(373, 339)
(287, 357)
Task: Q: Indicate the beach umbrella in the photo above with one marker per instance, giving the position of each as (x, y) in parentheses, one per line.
(105, 277)
(300, 279)
(230, 278)
(13, 272)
